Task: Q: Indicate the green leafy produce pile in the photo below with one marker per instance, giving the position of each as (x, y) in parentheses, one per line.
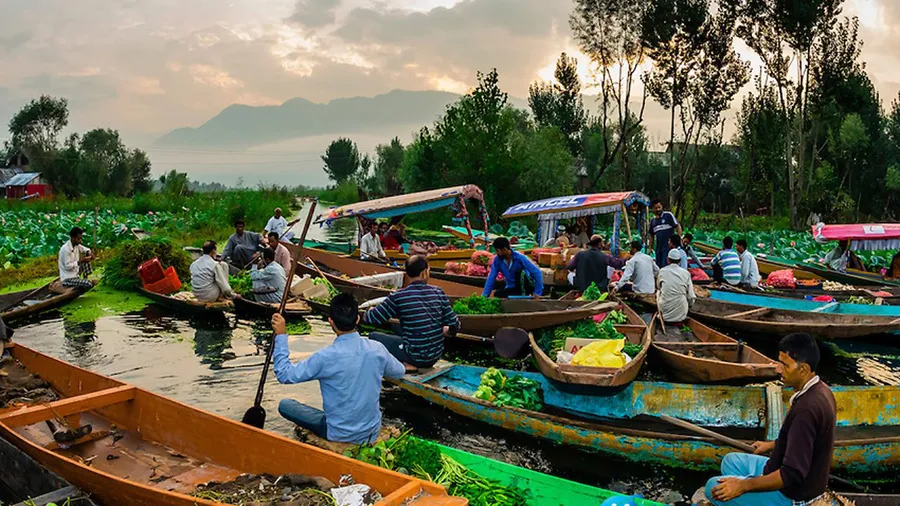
(516, 391)
(424, 459)
(552, 339)
(299, 328)
(593, 293)
(617, 317)
(857, 299)
(632, 349)
(121, 270)
(332, 291)
(477, 304)
(242, 284)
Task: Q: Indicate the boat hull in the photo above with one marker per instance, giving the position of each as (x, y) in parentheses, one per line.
(58, 297)
(851, 277)
(193, 308)
(252, 309)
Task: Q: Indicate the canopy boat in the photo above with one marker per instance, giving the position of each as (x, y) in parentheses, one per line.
(147, 450)
(550, 211)
(622, 422)
(25, 303)
(767, 265)
(696, 353)
(868, 237)
(252, 309)
(188, 306)
(779, 322)
(794, 304)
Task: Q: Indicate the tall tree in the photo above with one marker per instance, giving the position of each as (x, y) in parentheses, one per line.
(36, 127)
(609, 32)
(761, 123)
(560, 104)
(139, 166)
(388, 160)
(104, 162)
(341, 160)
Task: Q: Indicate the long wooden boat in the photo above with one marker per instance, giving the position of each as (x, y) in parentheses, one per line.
(252, 309)
(767, 265)
(162, 449)
(851, 277)
(766, 320)
(793, 304)
(18, 305)
(889, 296)
(530, 315)
(437, 259)
(25, 479)
(621, 422)
(703, 355)
(193, 307)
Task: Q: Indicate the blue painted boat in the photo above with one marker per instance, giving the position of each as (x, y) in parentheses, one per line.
(624, 422)
(804, 305)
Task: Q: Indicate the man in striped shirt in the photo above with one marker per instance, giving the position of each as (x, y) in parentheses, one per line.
(425, 319)
(727, 264)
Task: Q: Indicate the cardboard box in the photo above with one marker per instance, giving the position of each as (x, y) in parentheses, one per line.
(316, 292)
(545, 258)
(300, 285)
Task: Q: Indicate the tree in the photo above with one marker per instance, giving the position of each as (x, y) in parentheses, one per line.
(104, 163)
(341, 160)
(36, 127)
(174, 183)
(544, 163)
(139, 166)
(761, 123)
(388, 161)
(609, 32)
(559, 104)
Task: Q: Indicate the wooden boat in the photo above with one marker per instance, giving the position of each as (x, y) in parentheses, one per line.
(342, 248)
(193, 307)
(18, 305)
(850, 277)
(751, 299)
(858, 236)
(765, 320)
(530, 314)
(26, 479)
(435, 260)
(766, 264)
(252, 309)
(703, 355)
(889, 296)
(621, 422)
(169, 448)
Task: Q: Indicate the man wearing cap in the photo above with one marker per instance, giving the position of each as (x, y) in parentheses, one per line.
(675, 292)
(554, 241)
(592, 265)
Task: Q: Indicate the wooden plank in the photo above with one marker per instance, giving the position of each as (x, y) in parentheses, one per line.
(57, 496)
(69, 406)
(752, 312)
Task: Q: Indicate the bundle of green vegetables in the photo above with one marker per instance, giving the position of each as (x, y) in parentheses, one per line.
(593, 292)
(516, 391)
(477, 304)
(553, 339)
(121, 270)
(332, 291)
(242, 284)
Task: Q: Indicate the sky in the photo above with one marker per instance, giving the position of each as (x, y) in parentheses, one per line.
(146, 67)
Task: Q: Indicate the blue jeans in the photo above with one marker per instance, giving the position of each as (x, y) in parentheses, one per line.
(744, 465)
(397, 347)
(305, 416)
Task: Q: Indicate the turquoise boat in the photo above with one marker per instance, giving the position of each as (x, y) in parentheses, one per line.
(624, 422)
(333, 247)
(804, 305)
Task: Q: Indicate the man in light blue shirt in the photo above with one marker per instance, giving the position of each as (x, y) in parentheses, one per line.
(675, 244)
(521, 275)
(349, 371)
(268, 278)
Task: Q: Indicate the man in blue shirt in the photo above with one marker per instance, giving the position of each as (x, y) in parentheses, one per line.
(522, 276)
(349, 371)
(727, 264)
(661, 228)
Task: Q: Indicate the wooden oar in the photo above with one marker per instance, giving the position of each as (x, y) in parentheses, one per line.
(256, 415)
(740, 445)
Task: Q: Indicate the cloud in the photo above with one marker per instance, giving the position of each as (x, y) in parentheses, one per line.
(314, 13)
(13, 41)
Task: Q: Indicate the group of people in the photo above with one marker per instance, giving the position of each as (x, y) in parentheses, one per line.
(381, 237)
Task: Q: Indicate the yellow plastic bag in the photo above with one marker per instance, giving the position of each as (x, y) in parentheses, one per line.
(601, 353)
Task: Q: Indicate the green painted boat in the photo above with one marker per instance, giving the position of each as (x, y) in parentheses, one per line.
(334, 247)
(542, 489)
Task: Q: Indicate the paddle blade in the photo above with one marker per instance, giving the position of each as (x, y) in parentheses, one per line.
(511, 342)
(255, 417)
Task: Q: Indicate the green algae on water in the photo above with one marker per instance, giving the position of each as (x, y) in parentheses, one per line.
(102, 301)
(27, 285)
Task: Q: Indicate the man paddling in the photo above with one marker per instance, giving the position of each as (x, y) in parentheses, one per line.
(278, 225)
(797, 470)
(350, 371)
(522, 276)
(425, 315)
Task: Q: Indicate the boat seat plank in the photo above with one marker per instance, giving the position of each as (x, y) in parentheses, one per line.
(69, 406)
(753, 312)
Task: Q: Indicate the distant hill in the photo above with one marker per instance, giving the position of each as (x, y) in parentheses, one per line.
(245, 126)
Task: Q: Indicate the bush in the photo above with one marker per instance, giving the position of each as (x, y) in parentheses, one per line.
(121, 271)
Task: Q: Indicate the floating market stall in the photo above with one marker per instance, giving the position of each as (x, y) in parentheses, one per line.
(862, 237)
(550, 211)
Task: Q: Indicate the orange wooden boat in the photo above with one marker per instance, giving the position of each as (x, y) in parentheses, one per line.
(168, 449)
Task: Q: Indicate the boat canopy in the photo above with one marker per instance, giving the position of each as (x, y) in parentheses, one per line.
(550, 211)
(862, 236)
(399, 205)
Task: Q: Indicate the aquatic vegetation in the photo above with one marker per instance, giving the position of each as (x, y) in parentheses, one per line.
(121, 271)
(103, 300)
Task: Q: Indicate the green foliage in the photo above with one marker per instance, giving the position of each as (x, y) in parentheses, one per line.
(477, 304)
(341, 160)
(516, 390)
(593, 293)
(121, 271)
(344, 193)
(242, 284)
(559, 104)
(36, 127)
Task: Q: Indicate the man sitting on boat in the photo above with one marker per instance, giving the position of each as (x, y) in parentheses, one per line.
(282, 255)
(749, 267)
(370, 245)
(425, 315)
(797, 470)
(268, 278)
(686, 245)
(592, 265)
(350, 371)
(522, 276)
(75, 261)
(894, 267)
(280, 226)
(640, 272)
(675, 292)
(209, 278)
(727, 264)
(841, 258)
(675, 245)
(242, 246)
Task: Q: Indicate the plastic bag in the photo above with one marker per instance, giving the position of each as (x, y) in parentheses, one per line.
(698, 274)
(602, 353)
(782, 279)
(564, 357)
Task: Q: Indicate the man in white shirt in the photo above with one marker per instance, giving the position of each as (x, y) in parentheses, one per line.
(675, 294)
(75, 261)
(640, 271)
(209, 278)
(749, 267)
(279, 225)
(370, 245)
